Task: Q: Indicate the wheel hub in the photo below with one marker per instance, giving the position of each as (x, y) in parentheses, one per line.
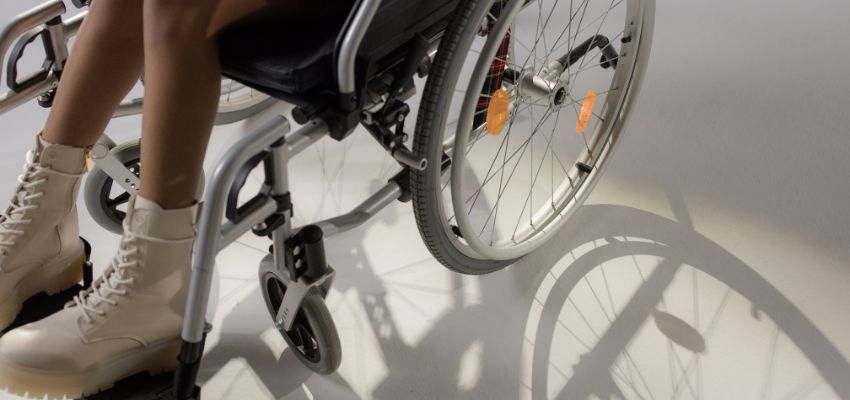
(546, 83)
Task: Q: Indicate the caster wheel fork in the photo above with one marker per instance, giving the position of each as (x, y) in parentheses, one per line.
(297, 304)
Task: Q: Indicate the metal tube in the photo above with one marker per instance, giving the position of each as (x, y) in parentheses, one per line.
(59, 42)
(209, 230)
(406, 157)
(280, 186)
(279, 159)
(351, 44)
(10, 99)
(72, 25)
(304, 137)
(363, 212)
(129, 107)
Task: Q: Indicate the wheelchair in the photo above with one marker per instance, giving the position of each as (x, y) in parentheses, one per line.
(498, 75)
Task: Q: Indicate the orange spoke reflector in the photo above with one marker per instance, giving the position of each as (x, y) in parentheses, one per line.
(586, 111)
(497, 112)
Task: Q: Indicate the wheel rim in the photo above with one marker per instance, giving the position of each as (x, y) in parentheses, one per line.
(109, 203)
(491, 232)
(236, 96)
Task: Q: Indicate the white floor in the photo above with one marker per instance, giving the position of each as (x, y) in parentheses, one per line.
(723, 222)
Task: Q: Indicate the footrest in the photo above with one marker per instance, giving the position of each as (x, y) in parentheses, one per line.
(143, 387)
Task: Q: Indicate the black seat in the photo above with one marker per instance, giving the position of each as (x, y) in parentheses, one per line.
(293, 61)
(283, 61)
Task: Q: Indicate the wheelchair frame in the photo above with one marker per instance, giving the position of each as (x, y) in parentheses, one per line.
(297, 252)
(273, 144)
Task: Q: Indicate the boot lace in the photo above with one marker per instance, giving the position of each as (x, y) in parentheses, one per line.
(13, 218)
(117, 278)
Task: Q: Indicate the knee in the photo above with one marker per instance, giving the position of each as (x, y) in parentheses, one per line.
(116, 20)
(175, 21)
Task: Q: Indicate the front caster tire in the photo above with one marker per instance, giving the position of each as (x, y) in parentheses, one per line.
(313, 337)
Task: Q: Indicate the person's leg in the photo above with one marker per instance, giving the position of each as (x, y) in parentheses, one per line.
(182, 82)
(129, 320)
(105, 63)
(182, 78)
(40, 249)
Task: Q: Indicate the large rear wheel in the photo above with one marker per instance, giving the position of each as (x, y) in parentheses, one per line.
(527, 100)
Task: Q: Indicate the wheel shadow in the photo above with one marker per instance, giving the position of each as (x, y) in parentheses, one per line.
(496, 337)
(494, 331)
(676, 243)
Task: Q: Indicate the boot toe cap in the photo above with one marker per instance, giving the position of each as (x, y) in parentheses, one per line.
(41, 347)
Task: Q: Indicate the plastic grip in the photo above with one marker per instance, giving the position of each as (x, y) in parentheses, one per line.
(312, 238)
(18, 52)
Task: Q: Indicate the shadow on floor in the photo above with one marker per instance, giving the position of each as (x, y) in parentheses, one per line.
(513, 324)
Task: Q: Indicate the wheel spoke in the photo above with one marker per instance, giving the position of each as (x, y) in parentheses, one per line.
(116, 201)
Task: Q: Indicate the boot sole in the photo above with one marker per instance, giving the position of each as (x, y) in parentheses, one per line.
(68, 272)
(153, 359)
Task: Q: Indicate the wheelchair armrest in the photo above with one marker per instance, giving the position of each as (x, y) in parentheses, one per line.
(347, 45)
(27, 21)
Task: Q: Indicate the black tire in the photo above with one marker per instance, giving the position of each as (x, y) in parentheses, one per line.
(314, 320)
(427, 142)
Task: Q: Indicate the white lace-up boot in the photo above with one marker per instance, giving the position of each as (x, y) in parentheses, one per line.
(128, 322)
(40, 247)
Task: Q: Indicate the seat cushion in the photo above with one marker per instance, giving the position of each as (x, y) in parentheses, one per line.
(279, 60)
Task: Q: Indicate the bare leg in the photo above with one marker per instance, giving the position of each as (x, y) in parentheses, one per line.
(182, 84)
(105, 63)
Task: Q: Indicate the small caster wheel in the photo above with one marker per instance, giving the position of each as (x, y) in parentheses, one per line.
(313, 337)
(106, 201)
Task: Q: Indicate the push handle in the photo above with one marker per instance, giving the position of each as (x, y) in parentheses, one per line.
(348, 44)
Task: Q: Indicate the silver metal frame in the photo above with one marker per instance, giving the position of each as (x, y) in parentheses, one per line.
(351, 44)
(214, 233)
(34, 19)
